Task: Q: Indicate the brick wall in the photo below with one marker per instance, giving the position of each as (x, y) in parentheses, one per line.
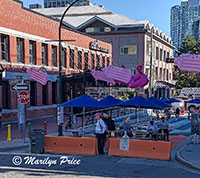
(12, 116)
(13, 16)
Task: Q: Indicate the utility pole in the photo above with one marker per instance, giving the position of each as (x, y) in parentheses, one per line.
(151, 64)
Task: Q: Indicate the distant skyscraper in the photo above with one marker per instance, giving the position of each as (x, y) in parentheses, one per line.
(34, 6)
(63, 3)
(184, 21)
(194, 2)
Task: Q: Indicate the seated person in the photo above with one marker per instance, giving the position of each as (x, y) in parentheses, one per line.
(157, 114)
(152, 130)
(163, 127)
(127, 127)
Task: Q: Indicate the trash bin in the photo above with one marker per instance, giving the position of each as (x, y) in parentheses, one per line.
(36, 137)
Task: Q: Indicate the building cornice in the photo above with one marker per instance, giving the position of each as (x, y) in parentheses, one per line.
(27, 36)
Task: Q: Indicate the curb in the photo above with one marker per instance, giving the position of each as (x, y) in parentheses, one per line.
(14, 148)
(181, 160)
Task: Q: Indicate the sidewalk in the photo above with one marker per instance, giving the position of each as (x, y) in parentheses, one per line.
(189, 155)
(15, 144)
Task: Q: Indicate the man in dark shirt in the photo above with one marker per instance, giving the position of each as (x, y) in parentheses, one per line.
(109, 122)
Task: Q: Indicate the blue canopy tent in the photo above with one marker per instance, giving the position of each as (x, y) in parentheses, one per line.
(194, 101)
(140, 102)
(159, 102)
(83, 101)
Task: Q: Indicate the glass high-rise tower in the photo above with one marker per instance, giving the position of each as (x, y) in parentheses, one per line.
(184, 21)
(63, 3)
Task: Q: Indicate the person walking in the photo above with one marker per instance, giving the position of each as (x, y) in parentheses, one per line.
(177, 112)
(100, 130)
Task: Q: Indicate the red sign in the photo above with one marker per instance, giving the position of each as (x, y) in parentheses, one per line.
(23, 97)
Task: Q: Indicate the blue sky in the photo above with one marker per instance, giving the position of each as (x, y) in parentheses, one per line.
(156, 12)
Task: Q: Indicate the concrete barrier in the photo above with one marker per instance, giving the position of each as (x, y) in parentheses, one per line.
(142, 149)
(71, 145)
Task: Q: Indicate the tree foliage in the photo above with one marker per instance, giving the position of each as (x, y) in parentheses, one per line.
(188, 79)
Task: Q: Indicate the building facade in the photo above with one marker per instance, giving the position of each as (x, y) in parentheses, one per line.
(131, 40)
(194, 2)
(183, 21)
(63, 3)
(30, 40)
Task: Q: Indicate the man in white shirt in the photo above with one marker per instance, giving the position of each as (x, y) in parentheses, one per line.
(152, 130)
(163, 128)
(100, 129)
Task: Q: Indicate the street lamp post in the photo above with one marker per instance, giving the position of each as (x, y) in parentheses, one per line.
(151, 64)
(60, 120)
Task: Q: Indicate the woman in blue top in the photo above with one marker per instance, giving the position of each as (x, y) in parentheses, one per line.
(127, 127)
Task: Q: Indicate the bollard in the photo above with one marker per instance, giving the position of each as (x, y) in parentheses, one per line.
(9, 133)
(60, 130)
(29, 129)
(45, 127)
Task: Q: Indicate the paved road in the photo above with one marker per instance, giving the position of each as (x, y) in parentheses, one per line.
(97, 167)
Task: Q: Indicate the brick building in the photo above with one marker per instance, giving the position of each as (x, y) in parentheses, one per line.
(28, 39)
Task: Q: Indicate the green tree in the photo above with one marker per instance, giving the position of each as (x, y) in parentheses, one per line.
(197, 48)
(188, 45)
(188, 79)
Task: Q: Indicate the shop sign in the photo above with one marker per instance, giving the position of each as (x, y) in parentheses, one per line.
(96, 46)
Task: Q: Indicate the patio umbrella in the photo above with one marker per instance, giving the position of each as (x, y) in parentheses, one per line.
(140, 102)
(159, 102)
(194, 101)
(164, 100)
(109, 101)
(82, 101)
(173, 100)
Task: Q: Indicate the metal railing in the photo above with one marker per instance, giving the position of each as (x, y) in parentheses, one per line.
(76, 121)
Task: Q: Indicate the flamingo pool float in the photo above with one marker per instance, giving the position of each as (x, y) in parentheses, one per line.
(113, 74)
(188, 62)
